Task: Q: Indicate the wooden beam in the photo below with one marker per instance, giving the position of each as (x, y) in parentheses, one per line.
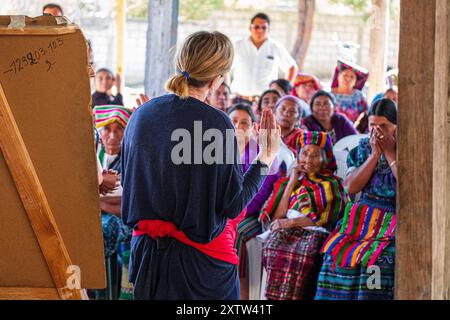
(121, 18)
(35, 202)
(379, 35)
(161, 41)
(447, 240)
(422, 153)
(29, 294)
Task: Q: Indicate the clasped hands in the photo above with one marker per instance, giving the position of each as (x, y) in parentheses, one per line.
(382, 141)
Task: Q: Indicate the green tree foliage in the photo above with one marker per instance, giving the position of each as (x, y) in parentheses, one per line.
(189, 9)
(357, 5)
(137, 9)
(198, 9)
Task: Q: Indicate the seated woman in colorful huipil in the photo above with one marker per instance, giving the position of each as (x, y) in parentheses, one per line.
(324, 119)
(304, 209)
(348, 82)
(243, 119)
(110, 121)
(360, 253)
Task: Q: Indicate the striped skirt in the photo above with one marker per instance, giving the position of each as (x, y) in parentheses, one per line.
(292, 260)
(358, 283)
(247, 229)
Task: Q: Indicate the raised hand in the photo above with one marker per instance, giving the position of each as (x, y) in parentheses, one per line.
(143, 98)
(269, 138)
(297, 171)
(386, 141)
(374, 143)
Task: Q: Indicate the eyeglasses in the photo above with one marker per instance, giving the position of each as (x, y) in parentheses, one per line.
(259, 27)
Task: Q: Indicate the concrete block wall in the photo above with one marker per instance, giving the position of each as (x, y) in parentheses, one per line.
(321, 57)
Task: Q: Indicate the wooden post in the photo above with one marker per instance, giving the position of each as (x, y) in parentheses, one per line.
(306, 11)
(379, 31)
(121, 16)
(447, 249)
(421, 265)
(161, 41)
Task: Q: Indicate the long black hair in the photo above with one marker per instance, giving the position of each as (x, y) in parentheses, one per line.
(284, 84)
(384, 108)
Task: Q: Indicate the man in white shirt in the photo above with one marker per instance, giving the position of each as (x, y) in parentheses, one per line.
(258, 60)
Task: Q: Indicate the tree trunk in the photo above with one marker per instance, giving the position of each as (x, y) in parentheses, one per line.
(161, 41)
(306, 9)
(379, 35)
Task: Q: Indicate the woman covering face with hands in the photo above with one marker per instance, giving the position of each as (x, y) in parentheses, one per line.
(367, 234)
(383, 138)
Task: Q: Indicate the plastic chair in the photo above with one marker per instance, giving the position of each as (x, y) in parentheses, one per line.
(348, 143)
(263, 285)
(341, 150)
(285, 154)
(341, 161)
(254, 257)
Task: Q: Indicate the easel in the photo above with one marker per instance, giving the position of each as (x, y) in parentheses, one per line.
(31, 192)
(38, 210)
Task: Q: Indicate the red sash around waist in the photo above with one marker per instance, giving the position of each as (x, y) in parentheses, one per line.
(222, 247)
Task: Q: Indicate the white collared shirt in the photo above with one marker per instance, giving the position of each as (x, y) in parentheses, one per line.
(253, 69)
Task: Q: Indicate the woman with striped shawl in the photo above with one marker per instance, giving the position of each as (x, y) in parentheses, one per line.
(359, 254)
(303, 208)
(110, 121)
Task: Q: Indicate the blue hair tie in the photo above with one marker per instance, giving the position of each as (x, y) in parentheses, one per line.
(186, 74)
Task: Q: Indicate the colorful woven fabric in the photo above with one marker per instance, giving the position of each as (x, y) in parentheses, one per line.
(321, 196)
(362, 74)
(351, 105)
(292, 261)
(364, 234)
(108, 114)
(359, 283)
(292, 140)
(303, 78)
(271, 204)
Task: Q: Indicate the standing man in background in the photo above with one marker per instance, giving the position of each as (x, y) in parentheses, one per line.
(258, 59)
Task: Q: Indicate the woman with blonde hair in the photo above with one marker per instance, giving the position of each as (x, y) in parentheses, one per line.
(183, 186)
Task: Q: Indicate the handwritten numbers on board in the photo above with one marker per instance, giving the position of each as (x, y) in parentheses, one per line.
(33, 57)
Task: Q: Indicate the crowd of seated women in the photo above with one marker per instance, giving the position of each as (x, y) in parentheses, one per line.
(319, 243)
